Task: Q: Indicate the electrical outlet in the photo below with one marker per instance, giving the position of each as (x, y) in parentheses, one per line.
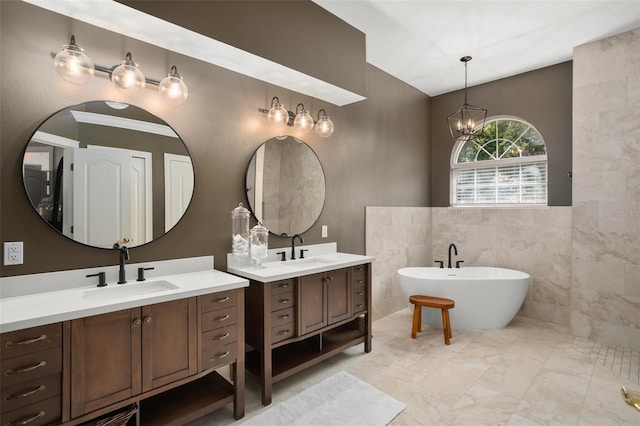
(13, 253)
(325, 231)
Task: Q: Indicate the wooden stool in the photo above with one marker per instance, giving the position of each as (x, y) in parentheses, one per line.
(431, 302)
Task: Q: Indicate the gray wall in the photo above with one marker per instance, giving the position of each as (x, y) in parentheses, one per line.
(541, 97)
(378, 155)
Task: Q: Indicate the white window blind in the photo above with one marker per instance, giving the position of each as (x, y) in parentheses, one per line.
(523, 183)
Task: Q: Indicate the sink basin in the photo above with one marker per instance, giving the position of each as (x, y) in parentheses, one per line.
(309, 263)
(124, 291)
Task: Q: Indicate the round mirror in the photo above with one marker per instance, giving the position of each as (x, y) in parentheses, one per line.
(285, 186)
(102, 173)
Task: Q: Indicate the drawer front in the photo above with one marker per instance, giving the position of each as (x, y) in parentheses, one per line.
(359, 270)
(31, 340)
(284, 286)
(28, 393)
(27, 367)
(219, 318)
(214, 340)
(222, 300)
(219, 357)
(41, 413)
(359, 298)
(282, 301)
(283, 316)
(283, 332)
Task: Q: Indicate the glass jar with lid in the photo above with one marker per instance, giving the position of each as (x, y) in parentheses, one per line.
(259, 240)
(240, 235)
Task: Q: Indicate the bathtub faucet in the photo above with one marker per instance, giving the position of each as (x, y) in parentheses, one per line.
(455, 250)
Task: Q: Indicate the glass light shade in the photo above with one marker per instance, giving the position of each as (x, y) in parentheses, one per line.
(127, 76)
(303, 121)
(73, 65)
(324, 127)
(278, 115)
(172, 88)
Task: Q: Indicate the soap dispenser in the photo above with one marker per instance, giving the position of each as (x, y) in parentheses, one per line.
(240, 235)
(259, 240)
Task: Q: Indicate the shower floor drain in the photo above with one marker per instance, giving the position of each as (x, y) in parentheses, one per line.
(620, 361)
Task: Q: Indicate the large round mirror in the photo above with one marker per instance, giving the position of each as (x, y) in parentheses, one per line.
(102, 173)
(285, 186)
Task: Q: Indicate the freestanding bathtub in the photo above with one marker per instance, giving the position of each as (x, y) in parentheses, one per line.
(485, 297)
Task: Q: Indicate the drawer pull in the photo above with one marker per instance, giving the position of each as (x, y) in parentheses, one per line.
(360, 305)
(25, 393)
(25, 369)
(26, 342)
(221, 300)
(224, 318)
(220, 355)
(27, 420)
(283, 301)
(220, 337)
(359, 281)
(359, 293)
(283, 317)
(283, 332)
(283, 285)
(359, 268)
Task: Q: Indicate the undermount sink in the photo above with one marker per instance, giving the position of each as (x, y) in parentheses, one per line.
(308, 263)
(131, 289)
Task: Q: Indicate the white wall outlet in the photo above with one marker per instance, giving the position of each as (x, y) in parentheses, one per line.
(325, 231)
(13, 253)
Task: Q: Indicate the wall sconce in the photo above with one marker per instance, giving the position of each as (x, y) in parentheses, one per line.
(75, 66)
(279, 116)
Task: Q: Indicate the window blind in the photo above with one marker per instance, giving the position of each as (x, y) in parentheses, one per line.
(524, 183)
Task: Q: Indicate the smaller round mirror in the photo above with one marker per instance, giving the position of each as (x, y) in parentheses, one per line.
(285, 186)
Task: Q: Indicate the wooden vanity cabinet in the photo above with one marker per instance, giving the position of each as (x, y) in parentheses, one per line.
(298, 322)
(31, 384)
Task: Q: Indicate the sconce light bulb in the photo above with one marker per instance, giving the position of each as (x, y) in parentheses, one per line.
(324, 126)
(127, 76)
(278, 115)
(303, 121)
(73, 65)
(172, 88)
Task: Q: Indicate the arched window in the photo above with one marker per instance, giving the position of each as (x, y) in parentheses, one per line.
(506, 164)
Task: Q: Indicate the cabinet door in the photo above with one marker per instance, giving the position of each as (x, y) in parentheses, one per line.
(312, 297)
(105, 353)
(339, 295)
(168, 342)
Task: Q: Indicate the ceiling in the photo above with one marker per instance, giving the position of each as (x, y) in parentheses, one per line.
(421, 41)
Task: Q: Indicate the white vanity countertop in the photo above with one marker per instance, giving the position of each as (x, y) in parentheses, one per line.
(31, 310)
(320, 258)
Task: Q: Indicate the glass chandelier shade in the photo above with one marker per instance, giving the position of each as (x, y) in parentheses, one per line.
(324, 125)
(278, 115)
(468, 120)
(303, 121)
(73, 65)
(127, 76)
(172, 88)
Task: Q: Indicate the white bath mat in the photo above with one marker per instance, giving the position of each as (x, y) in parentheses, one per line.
(339, 400)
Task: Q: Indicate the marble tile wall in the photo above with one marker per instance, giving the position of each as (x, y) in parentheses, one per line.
(605, 290)
(397, 237)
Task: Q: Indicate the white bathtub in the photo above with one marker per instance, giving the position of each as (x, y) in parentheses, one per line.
(484, 297)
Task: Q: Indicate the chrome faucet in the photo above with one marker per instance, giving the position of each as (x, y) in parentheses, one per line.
(455, 250)
(124, 255)
(293, 245)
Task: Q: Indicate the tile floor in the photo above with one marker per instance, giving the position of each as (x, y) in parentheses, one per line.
(529, 373)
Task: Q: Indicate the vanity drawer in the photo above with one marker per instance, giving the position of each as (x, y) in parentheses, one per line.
(219, 356)
(359, 298)
(283, 332)
(282, 316)
(27, 367)
(219, 318)
(27, 393)
(44, 412)
(284, 286)
(222, 300)
(219, 337)
(282, 300)
(31, 340)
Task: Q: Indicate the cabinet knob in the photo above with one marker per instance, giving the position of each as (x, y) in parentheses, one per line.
(137, 322)
(147, 320)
